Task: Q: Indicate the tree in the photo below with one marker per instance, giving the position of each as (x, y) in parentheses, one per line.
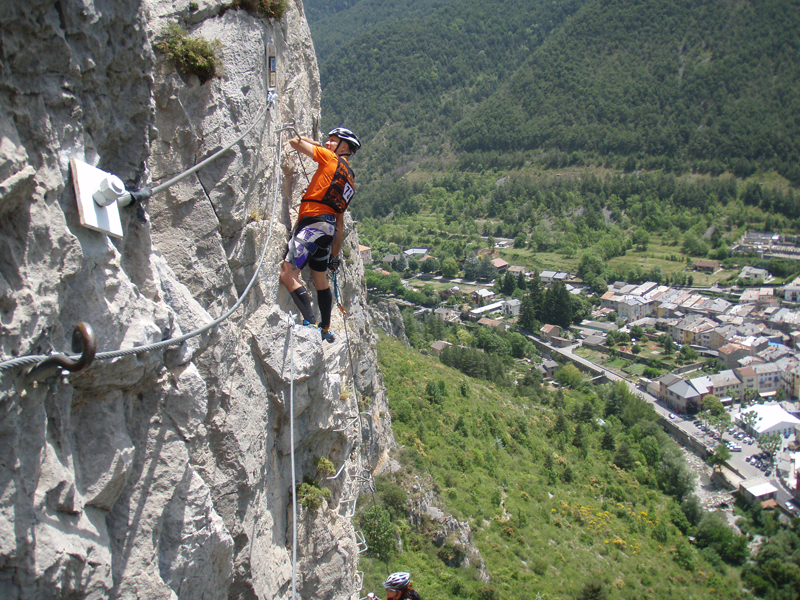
(641, 239)
(560, 424)
(667, 344)
(674, 475)
(713, 532)
(509, 284)
(585, 414)
(521, 347)
(579, 439)
(569, 376)
(651, 450)
(449, 267)
(531, 315)
(750, 395)
(624, 458)
(521, 283)
(607, 442)
(471, 267)
(485, 268)
(720, 456)
(769, 442)
(688, 353)
(430, 265)
(376, 524)
(400, 264)
(557, 307)
(749, 419)
(713, 405)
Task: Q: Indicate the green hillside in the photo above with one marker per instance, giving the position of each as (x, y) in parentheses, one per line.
(561, 505)
(627, 137)
(404, 84)
(708, 84)
(654, 84)
(336, 23)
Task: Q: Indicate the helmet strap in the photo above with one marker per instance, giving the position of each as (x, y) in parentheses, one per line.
(336, 151)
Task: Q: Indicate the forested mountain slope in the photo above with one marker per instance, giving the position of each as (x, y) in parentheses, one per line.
(657, 84)
(336, 23)
(709, 84)
(403, 85)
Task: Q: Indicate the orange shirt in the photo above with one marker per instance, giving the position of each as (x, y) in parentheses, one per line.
(320, 182)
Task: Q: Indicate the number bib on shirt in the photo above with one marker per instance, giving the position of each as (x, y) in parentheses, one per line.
(341, 190)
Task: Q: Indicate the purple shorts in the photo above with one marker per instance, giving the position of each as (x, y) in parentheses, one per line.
(312, 245)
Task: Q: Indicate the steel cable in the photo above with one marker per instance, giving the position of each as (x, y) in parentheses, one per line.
(34, 359)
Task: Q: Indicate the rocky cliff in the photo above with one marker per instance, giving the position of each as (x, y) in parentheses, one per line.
(167, 474)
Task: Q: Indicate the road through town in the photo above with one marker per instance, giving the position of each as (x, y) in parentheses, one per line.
(737, 462)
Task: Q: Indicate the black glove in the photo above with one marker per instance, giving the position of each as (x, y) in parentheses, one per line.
(333, 263)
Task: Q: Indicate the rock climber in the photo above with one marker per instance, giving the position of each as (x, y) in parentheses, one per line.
(317, 238)
(398, 587)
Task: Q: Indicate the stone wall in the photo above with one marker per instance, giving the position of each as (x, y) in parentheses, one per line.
(167, 474)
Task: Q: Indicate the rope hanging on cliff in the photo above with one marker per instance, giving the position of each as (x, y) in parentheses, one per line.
(291, 442)
(34, 359)
(355, 392)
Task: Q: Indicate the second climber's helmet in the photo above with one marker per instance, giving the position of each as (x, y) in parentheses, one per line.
(397, 581)
(348, 136)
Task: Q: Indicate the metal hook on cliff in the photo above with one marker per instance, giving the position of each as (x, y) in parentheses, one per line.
(83, 341)
(291, 126)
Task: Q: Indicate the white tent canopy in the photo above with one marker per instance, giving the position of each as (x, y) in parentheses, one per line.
(772, 418)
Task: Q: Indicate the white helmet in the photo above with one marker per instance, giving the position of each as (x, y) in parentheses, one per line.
(397, 581)
(348, 136)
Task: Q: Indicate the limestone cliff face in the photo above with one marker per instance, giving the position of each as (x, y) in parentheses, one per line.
(167, 474)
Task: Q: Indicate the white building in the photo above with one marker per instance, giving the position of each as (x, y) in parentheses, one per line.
(512, 307)
(770, 418)
(489, 308)
(753, 274)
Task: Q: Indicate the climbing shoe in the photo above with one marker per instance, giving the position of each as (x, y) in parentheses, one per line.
(307, 323)
(327, 334)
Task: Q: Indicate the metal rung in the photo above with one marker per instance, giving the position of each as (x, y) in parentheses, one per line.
(339, 472)
(352, 512)
(360, 577)
(350, 420)
(368, 479)
(361, 542)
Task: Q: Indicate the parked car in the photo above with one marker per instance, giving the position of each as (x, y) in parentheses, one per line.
(768, 472)
(736, 448)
